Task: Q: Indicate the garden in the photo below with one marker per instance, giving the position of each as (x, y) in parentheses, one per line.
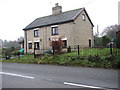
(104, 56)
(90, 57)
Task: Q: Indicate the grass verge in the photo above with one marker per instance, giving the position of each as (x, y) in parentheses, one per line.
(86, 58)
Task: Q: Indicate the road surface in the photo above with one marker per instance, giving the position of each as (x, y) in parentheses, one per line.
(52, 76)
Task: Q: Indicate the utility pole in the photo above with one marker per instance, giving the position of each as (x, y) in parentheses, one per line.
(97, 31)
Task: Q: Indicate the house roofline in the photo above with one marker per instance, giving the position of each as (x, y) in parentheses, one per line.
(88, 17)
(83, 9)
(49, 24)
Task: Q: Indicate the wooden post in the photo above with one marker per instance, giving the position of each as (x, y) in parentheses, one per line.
(53, 50)
(78, 50)
(111, 49)
(34, 53)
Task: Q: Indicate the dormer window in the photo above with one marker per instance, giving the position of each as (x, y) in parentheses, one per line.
(55, 30)
(83, 17)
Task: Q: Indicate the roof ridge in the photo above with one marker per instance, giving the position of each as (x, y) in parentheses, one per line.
(66, 16)
(61, 13)
(73, 10)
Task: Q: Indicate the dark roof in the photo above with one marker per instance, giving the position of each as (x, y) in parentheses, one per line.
(64, 17)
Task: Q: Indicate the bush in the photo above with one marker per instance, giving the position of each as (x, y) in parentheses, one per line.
(110, 57)
(90, 57)
(95, 58)
(69, 49)
(57, 44)
(17, 52)
(105, 39)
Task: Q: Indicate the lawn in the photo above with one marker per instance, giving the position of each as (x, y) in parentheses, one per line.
(87, 58)
(93, 51)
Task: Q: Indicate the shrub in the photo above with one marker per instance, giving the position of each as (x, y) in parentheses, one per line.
(97, 58)
(110, 57)
(90, 57)
(57, 44)
(17, 52)
(105, 40)
(41, 62)
(69, 49)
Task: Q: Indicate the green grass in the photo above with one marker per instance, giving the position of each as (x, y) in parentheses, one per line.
(87, 52)
(86, 58)
(23, 59)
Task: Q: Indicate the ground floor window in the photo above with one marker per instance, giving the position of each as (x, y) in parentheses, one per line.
(30, 45)
(36, 45)
(64, 43)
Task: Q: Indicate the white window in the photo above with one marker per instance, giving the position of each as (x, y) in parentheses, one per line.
(36, 45)
(55, 30)
(83, 17)
(36, 33)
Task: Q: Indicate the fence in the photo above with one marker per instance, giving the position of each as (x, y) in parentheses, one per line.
(77, 50)
(83, 51)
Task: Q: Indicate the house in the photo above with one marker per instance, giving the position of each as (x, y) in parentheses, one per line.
(1, 43)
(75, 26)
(118, 38)
(21, 44)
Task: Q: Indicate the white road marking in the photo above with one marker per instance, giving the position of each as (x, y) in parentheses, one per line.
(12, 74)
(80, 85)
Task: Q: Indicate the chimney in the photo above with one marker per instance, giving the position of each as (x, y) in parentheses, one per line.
(57, 9)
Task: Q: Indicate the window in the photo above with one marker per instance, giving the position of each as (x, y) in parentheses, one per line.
(64, 43)
(30, 45)
(83, 17)
(36, 45)
(54, 30)
(36, 33)
(89, 42)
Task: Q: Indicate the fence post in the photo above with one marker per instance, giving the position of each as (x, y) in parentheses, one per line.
(78, 50)
(111, 49)
(53, 50)
(34, 53)
(19, 56)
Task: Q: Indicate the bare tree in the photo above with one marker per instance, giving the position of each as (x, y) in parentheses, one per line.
(111, 31)
(15, 43)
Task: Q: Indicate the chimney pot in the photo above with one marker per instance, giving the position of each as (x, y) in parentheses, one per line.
(56, 4)
(57, 9)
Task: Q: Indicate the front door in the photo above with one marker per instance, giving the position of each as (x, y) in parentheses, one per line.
(89, 42)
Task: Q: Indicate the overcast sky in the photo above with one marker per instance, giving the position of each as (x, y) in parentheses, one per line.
(17, 14)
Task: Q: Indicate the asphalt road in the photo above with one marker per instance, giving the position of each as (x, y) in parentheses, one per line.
(52, 76)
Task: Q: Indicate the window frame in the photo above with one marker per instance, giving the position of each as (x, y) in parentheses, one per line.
(36, 33)
(90, 43)
(30, 45)
(83, 17)
(65, 43)
(54, 30)
(37, 45)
